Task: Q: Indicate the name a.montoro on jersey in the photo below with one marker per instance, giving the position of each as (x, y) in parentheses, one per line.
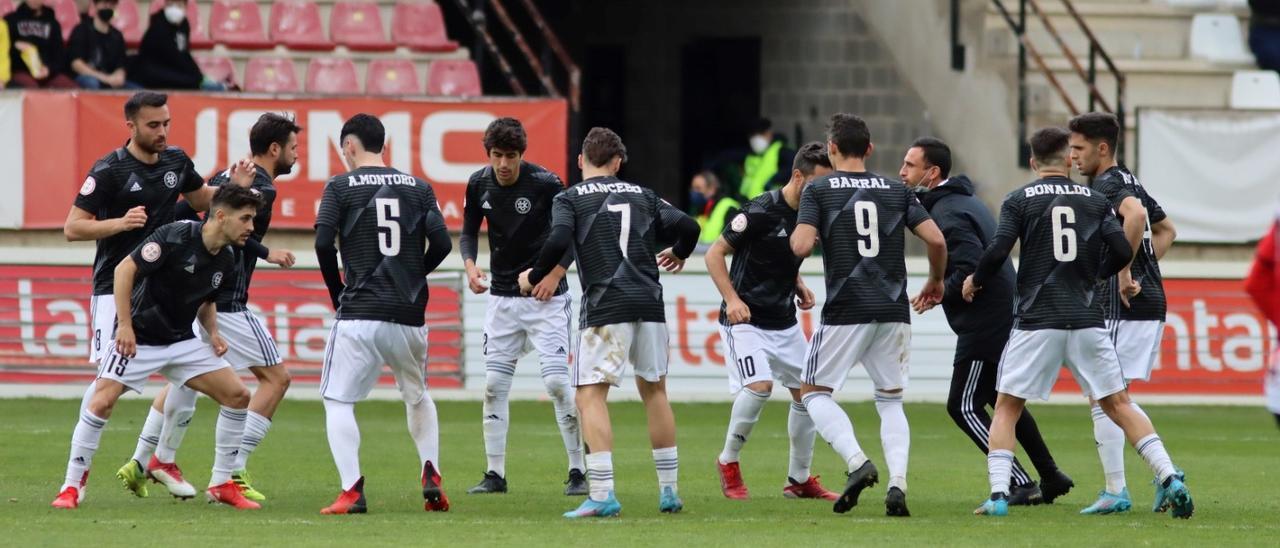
(1041, 190)
(854, 182)
(594, 188)
(381, 179)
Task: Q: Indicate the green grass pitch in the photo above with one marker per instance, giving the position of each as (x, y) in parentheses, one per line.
(1230, 455)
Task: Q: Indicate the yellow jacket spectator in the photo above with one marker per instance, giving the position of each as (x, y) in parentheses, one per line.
(768, 165)
(709, 206)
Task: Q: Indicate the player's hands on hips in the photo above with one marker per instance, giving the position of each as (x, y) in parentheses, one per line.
(526, 287)
(668, 260)
(737, 312)
(805, 299)
(1129, 287)
(281, 257)
(477, 280)
(126, 342)
(219, 345)
(969, 289)
(133, 219)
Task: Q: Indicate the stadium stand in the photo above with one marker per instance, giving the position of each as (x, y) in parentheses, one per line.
(199, 36)
(332, 75)
(392, 77)
(130, 22)
(271, 75)
(217, 67)
(297, 25)
(237, 24)
(68, 15)
(453, 77)
(358, 25)
(1255, 89)
(1217, 37)
(420, 25)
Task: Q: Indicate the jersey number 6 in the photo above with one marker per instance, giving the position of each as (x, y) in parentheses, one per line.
(388, 218)
(1064, 237)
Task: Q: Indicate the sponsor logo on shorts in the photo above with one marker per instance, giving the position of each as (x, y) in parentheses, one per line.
(151, 252)
(170, 179)
(523, 205)
(89, 184)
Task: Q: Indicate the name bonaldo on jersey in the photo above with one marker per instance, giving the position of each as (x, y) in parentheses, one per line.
(1040, 190)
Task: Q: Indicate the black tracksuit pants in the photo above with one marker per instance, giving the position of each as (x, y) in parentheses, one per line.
(973, 388)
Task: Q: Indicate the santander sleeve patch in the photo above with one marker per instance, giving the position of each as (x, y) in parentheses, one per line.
(739, 222)
(89, 185)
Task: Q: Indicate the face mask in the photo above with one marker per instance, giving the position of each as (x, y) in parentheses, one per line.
(175, 14)
(697, 202)
(759, 143)
(105, 14)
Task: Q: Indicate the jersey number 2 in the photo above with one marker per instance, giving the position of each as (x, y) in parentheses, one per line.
(1064, 236)
(866, 220)
(624, 235)
(388, 218)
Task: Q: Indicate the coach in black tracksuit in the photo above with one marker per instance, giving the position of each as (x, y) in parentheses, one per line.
(983, 326)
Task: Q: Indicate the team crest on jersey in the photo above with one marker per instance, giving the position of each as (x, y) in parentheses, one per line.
(89, 184)
(217, 279)
(151, 252)
(255, 192)
(523, 205)
(170, 179)
(739, 222)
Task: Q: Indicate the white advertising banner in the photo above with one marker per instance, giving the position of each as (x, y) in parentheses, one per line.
(11, 156)
(1215, 172)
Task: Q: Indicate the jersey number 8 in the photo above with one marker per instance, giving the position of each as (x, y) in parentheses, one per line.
(388, 218)
(1064, 236)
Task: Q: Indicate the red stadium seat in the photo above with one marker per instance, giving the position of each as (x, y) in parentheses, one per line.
(392, 77)
(296, 24)
(332, 75)
(453, 77)
(199, 38)
(68, 15)
(216, 67)
(270, 75)
(358, 25)
(6, 6)
(129, 20)
(237, 24)
(420, 25)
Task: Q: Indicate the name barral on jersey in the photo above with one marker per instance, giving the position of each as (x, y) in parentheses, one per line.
(381, 179)
(854, 182)
(594, 188)
(1042, 189)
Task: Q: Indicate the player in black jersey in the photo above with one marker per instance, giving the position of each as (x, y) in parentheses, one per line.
(762, 339)
(273, 143)
(175, 275)
(392, 234)
(1133, 300)
(982, 327)
(612, 227)
(862, 218)
(1070, 240)
(514, 197)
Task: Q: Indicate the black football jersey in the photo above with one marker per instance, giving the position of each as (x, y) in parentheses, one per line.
(176, 274)
(1061, 225)
(862, 219)
(615, 226)
(119, 182)
(1116, 184)
(237, 300)
(519, 218)
(764, 269)
(382, 218)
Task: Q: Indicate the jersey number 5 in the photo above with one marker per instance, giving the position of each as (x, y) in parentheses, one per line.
(388, 218)
(1064, 236)
(866, 220)
(624, 234)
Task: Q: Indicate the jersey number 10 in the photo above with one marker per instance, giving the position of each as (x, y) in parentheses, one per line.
(388, 218)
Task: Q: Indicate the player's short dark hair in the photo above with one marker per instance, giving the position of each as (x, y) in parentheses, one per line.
(601, 145)
(1096, 126)
(936, 153)
(761, 125)
(233, 196)
(368, 129)
(1049, 145)
(506, 134)
(271, 128)
(143, 99)
(850, 134)
(809, 157)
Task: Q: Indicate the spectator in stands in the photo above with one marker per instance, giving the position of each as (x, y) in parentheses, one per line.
(4, 58)
(37, 56)
(164, 59)
(710, 207)
(768, 165)
(1264, 33)
(97, 50)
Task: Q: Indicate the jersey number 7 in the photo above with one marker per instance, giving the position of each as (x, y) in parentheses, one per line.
(624, 234)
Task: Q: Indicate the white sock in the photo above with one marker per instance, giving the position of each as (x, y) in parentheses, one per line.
(149, 437)
(556, 378)
(226, 443)
(834, 426)
(424, 428)
(1110, 439)
(84, 443)
(999, 463)
(746, 412)
(496, 409)
(895, 436)
(255, 428)
(344, 440)
(1152, 450)
(668, 464)
(600, 474)
(179, 407)
(801, 432)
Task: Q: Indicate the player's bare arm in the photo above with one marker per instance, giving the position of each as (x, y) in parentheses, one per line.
(208, 317)
(736, 310)
(933, 289)
(82, 225)
(126, 342)
(1163, 234)
(805, 299)
(547, 287)
(803, 239)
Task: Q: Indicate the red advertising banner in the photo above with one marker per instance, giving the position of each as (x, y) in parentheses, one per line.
(44, 322)
(438, 141)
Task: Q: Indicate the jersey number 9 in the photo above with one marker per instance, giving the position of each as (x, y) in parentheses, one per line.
(866, 220)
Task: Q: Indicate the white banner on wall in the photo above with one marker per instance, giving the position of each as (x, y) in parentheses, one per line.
(1215, 172)
(11, 156)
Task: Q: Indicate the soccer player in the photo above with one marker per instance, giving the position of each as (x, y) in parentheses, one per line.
(174, 277)
(612, 226)
(1065, 229)
(273, 142)
(1133, 300)
(392, 234)
(758, 326)
(515, 197)
(981, 327)
(127, 195)
(1263, 286)
(861, 217)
